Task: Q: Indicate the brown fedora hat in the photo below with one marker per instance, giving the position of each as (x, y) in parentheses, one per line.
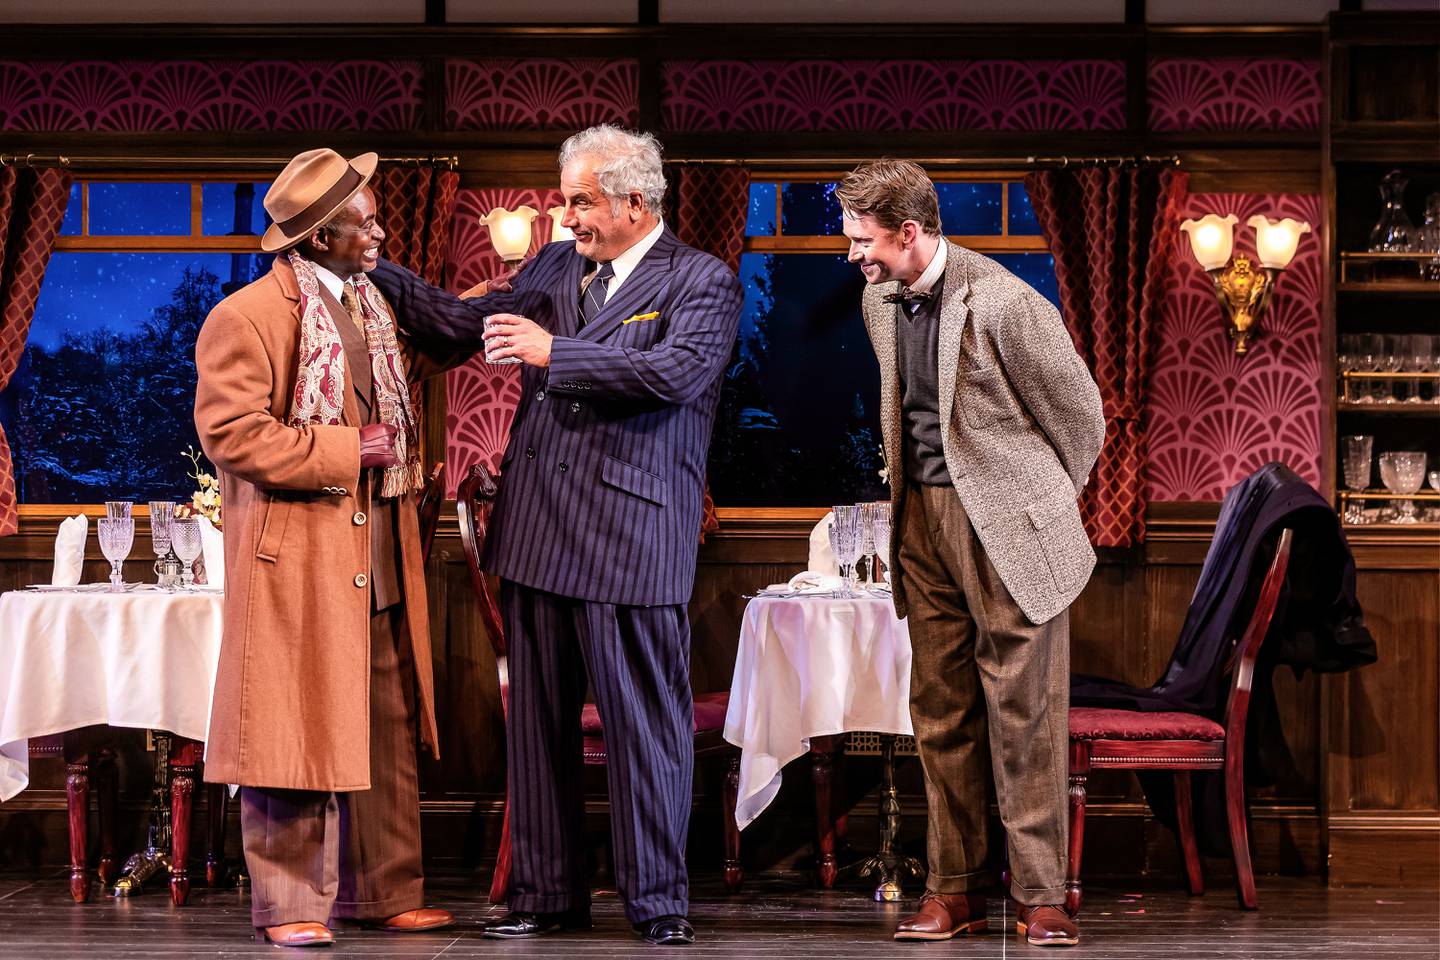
(312, 188)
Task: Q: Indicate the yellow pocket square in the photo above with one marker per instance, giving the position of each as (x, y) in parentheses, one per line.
(639, 317)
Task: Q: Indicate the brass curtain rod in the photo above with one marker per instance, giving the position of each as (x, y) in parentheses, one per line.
(173, 163)
(1030, 161)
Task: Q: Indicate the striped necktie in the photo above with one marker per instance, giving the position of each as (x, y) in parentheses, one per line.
(596, 289)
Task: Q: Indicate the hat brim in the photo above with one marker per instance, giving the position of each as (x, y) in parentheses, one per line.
(276, 240)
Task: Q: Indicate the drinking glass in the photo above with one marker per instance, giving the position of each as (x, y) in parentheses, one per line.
(161, 513)
(1403, 471)
(1391, 361)
(118, 509)
(880, 525)
(1357, 473)
(1418, 360)
(867, 542)
(1346, 362)
(1368, 360)
(117, 535)
(185, 539)
(847, 545)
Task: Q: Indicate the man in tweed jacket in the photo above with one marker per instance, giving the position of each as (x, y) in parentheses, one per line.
(991, 425)
(624, 333)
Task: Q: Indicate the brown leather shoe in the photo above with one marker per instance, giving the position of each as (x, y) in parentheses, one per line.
(1047, 926)
(943, 915)
(413, 921)
(307, 934)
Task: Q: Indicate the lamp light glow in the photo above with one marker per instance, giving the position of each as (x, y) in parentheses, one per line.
(1276, 240)
(510, 231)
(558, 232)
(1212, 238)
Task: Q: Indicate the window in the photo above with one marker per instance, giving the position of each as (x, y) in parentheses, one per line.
(799, 412)
(101, 406)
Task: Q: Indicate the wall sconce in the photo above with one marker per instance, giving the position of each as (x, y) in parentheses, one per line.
(1241, 289)
(558, 232)
(510, 232)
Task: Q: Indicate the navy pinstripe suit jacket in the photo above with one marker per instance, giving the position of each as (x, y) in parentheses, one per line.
(603, 477)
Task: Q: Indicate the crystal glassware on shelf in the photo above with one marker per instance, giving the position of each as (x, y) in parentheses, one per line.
(1368, 360)
(1393, 233)
(161, 513)
(1429, 238)
(1358, 469)
(118, 509)
(847, 545)
(880, 523)
(185, 541)
(1346, 361)
(1432, 514)
(1402, 471)
(1419, 359)
(1391, 361)
(117, 535)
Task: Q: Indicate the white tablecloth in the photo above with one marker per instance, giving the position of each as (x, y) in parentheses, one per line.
(143, 659)
(812, 667)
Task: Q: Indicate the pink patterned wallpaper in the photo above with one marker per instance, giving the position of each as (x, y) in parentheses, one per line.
(893, 95)
(1214, 416)
(480, 398)
(540, 94)
(135, 95)
(1234, 95)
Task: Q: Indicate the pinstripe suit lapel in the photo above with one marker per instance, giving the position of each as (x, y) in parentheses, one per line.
(644, 284)
(567, 297)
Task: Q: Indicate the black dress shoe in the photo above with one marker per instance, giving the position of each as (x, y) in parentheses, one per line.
(666, 931)
(518, 925)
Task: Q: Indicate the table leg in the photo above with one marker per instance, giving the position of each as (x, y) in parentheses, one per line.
(183, 758)
(890, 864)
(822, 771)
(77, 803)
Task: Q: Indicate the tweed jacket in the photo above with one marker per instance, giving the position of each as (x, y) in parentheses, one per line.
(291, 706)
(1021, 424)
(603, 477)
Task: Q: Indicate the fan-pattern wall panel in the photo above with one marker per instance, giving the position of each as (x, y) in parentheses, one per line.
(1260, 95)
(540, 93)
(1215, 416)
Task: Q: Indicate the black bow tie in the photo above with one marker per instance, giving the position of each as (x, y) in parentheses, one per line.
(910, 296)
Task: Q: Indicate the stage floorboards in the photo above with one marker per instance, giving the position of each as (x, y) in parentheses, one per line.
(778, 916)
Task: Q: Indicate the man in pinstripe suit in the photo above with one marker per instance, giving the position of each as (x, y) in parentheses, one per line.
(624, 334)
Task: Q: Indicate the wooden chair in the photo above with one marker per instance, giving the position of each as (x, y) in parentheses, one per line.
(1111, 739)
(473, 502)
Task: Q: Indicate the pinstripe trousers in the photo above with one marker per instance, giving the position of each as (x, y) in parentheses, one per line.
(638, 661)
(314, 855)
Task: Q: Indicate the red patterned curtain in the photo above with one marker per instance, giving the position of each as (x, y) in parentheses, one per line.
(415, 202)
(32, 206)
(708, 205)
(1112, 231)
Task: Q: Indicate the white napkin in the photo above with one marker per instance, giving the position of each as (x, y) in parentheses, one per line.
(822, 558)
(212, 545)
(810, 581)
(70, 550)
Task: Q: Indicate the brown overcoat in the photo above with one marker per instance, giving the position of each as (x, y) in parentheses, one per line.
(291, 706)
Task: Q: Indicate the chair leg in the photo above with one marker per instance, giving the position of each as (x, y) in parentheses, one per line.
(734, 874)
(1185, 829)
(1239, 830)
(77, 803)
(107, 798)
(183, 756)
(217, 810)
(500, 880)
(822, 772)
(1079, 774)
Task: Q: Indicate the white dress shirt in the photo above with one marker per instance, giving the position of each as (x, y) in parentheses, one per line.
(626, 263)
(932, 273)
(332, 281)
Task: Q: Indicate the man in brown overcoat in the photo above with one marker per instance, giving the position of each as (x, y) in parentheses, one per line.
(303, 404)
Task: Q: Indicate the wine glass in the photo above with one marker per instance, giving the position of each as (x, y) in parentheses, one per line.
(1346, 362)
(185, 539)
(1358, 469)
(117, 535)
(118, 509)
(867, 542)
(1391, 361)
(880, 523)
(1417, 360)
(1403, 471)
(161, 513)
(1368, 360)
(847, 545)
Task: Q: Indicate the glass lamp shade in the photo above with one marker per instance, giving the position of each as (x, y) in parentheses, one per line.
(1212, 237)
(510, 231)
(1276, 240)
(558, 232)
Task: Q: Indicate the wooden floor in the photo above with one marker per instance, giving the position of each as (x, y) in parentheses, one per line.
(778, 916)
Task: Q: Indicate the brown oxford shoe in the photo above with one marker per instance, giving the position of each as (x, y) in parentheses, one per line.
(942, 916)
(1047, 926)
(414, 921)
(307, 934)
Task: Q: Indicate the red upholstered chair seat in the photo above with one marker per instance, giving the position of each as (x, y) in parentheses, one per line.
(710, 710)
(1099, 723)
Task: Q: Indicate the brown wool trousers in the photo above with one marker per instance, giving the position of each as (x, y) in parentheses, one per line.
(314, 856)
(989, 696)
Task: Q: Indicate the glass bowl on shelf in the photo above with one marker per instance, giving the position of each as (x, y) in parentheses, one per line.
(1402, 471)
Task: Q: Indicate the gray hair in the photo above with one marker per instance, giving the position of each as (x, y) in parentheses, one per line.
(629, 163)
